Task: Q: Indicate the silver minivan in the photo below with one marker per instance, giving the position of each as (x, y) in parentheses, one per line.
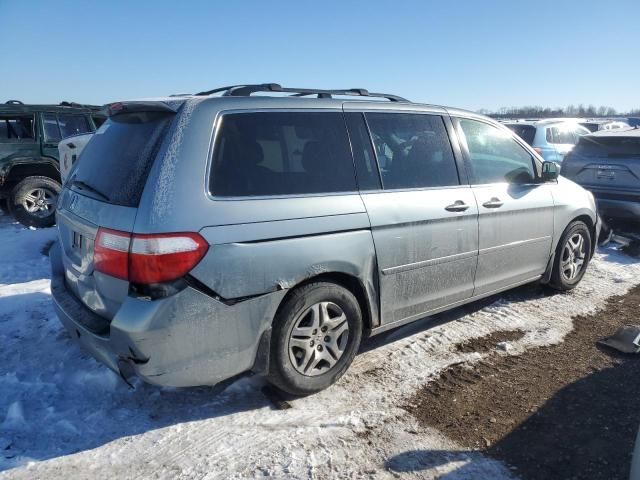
(269, 229)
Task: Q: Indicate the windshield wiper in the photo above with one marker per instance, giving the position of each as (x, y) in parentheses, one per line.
(84, 186)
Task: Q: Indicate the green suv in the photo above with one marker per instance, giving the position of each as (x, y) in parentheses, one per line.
(29, 168)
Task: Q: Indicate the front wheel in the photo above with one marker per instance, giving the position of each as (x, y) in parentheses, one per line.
(572, 256)
(33, 201)
(315, 337)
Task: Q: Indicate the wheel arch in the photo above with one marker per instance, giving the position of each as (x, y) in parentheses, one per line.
(350, 282)
(18, 170)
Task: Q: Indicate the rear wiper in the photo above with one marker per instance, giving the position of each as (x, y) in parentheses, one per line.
(84, 186)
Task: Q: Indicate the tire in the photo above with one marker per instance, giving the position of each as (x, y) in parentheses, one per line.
(305, 358)
(572, 256)
(33, 200)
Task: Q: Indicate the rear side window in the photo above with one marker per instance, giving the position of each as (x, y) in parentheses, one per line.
(282, 153)
(116, 161)
(565, 134)
(413, 150)
(495, 156)
(63, 125)
(366, 167)
(73, 125)
(51, 129)
(17, 128)
(525, 132)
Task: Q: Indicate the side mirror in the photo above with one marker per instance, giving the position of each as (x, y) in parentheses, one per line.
(550, 171)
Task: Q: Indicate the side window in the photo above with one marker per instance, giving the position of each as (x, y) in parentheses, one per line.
(73, 125)
(495, 156)
(281, 153)
(565, 134)
(51, 129)
(18, 128)
(363, 156)
(413, 150)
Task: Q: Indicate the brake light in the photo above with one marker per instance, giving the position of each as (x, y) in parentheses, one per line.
(148, 258)
(538, 150)
(111, 253)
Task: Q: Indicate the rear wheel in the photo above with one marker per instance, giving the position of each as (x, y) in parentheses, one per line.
(316, 335)
(33, 201)
(572, 256)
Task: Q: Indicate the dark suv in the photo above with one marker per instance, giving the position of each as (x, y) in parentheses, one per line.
(29, 168)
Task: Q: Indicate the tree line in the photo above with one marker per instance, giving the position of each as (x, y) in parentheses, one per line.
(569, 111)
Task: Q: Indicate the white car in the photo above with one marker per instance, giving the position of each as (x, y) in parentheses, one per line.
(69, 150)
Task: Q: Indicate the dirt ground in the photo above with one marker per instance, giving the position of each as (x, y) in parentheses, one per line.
(569, 410)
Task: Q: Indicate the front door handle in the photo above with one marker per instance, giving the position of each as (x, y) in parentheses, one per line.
(493, 203)
(457, 206)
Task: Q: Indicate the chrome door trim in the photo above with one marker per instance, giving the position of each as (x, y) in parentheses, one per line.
(427, 263)
(519, 243)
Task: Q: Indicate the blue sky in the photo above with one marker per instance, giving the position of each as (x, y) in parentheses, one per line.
(471, 54)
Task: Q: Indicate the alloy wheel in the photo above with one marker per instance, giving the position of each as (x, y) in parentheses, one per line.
(40, 202)
(573, 257)
(318, 338)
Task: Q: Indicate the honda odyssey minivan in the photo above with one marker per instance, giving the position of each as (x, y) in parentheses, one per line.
(269, 229)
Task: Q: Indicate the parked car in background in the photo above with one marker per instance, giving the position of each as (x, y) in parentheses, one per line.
(203, 236)
(607, 163)
(552, 138)
(596, 124)
(69, 150)
(29, 168)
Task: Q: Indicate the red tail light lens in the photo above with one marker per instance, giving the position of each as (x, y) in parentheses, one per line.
(538, 150)
(162, 258)
(147, 259)
(111, 253)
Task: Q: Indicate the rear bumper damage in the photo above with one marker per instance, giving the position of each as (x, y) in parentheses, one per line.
(186, 339)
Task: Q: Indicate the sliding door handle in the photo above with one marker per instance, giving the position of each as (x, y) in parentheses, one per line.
(457, 206)
(493, 203)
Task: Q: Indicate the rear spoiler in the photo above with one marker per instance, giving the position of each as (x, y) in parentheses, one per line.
(119, 108)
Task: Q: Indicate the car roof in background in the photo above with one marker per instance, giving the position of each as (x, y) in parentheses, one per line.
(620, 132)
(9, 107)
(544, 122)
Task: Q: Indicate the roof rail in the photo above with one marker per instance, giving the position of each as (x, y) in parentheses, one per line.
(70, 104)
(13, 102)
(246, 90)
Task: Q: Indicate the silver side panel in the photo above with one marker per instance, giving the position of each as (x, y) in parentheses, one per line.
(427, 255)
(516, 238)
(240, 269)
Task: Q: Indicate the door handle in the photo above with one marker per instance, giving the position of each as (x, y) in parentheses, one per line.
(493, 203)
(457, 206)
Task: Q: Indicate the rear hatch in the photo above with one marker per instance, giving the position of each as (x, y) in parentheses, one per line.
(104, 191)
(606, 163)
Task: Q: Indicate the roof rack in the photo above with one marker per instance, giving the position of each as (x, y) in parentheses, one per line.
(246, 90)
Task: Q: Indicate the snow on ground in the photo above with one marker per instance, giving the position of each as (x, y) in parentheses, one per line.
(62, 415)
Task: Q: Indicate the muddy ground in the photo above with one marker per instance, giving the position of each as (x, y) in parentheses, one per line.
(569, 410)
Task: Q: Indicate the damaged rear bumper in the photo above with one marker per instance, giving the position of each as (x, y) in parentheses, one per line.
(186, 339)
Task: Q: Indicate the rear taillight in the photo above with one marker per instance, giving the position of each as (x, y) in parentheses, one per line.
(538, 150)
(149, 258)
(111, 253)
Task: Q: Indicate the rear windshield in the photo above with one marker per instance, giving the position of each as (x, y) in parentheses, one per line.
(617, 146)
(525, 132)
(282, 153)
(116, 162)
